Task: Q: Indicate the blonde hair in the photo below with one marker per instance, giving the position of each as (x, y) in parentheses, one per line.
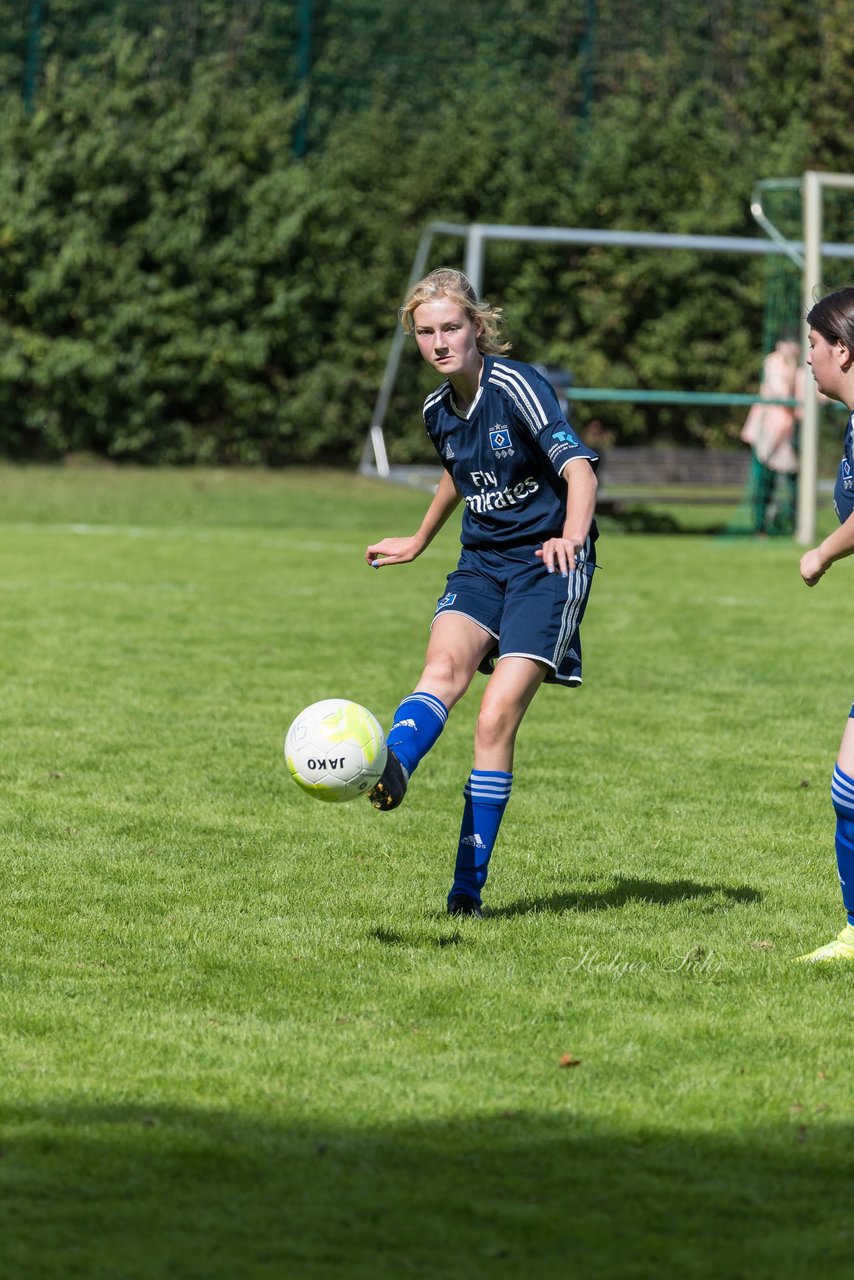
(445, 282)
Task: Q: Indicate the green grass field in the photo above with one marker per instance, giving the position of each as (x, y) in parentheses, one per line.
(239, 1036)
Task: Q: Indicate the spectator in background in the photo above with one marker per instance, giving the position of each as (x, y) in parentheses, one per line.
(770, 430)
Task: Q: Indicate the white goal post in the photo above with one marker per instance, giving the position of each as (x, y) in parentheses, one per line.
(812, 195)
(476, 236)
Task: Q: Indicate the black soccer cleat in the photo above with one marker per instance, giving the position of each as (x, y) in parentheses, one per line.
(462, 905)
(389, 791)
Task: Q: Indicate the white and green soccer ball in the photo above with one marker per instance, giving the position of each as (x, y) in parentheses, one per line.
(335, 750)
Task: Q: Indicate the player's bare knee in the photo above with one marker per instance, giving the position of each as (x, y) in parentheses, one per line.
(440, 669)
(495, 727)
(447, 675)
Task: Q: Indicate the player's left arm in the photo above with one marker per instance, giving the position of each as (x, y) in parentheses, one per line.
(581, 485)
(836, 546)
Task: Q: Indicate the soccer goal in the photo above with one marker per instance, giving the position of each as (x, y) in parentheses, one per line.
(810, 250)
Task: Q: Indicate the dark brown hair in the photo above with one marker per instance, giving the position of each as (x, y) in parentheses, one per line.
(833, 317)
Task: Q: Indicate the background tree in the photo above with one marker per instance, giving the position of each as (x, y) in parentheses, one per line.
(180, 283)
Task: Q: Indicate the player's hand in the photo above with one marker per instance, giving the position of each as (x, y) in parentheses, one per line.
(392, 551)
(560, 555)
(812, 566)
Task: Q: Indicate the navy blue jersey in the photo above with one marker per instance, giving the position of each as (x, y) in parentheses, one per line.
(843, 493)
(505, 455)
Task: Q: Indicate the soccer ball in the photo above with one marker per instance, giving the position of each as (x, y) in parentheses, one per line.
(335, 750)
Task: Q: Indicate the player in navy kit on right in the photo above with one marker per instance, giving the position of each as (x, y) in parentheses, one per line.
(831, 358)
(513, 607)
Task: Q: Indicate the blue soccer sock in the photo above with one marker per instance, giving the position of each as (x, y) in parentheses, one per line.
(842, 794)
(486, 795)
(418, 721)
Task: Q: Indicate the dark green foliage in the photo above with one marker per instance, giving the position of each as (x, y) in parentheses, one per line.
(832, 116)
(149, 242)
(179, 283)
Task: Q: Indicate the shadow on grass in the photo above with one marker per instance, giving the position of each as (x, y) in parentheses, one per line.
(639, 519)
(626, 890)
(682, 520)
(145, 1192)
(393, 938)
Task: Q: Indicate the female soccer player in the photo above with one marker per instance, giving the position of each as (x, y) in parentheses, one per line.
(513, 606)
(831, 357)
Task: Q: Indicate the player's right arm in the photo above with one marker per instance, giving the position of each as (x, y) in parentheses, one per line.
(836, 546)
(402, 550)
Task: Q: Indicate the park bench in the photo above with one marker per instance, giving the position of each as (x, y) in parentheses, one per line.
(645, 475)
(637, 475)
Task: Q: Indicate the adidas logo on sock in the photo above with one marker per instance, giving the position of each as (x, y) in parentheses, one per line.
(475, 841)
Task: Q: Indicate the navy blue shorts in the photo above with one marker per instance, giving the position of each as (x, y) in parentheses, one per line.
(529, 612)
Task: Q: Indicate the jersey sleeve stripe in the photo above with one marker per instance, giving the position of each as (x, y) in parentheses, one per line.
(523, 394)
(435, 397)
